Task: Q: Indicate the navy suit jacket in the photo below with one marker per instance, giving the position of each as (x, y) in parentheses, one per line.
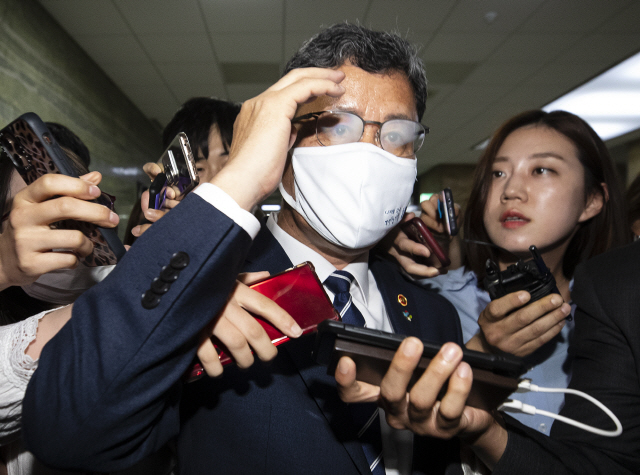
(108, 389)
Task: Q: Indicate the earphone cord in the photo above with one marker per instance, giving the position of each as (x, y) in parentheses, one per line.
(526, 386)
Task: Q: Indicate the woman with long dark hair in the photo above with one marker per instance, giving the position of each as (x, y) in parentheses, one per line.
(545, 179)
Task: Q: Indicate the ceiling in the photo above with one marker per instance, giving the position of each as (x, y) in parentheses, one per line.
(486, 60)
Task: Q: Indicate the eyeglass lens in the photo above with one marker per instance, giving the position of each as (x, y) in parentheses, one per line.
(400, 137)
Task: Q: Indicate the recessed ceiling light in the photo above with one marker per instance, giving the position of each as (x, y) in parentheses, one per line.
(425, 196)
(489, 17)
(481, 145)
(610, 102)
(268, 208)
(127, 171)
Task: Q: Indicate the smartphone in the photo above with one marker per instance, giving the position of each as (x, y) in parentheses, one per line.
(34, 152)
(418, 232)
(447, 211)
(178, 171)
(298, 291)
(495, 377)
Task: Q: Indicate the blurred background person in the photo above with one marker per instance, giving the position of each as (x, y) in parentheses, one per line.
(208, 124)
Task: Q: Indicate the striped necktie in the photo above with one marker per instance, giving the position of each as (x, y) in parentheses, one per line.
(365, 416)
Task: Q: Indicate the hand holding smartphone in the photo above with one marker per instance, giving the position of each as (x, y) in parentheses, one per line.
(298, 291)
(178, 171)
(418, 232)
(34, 152)
(495, 377)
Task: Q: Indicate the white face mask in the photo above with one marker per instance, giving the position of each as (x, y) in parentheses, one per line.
(64, 286)
(351, 194)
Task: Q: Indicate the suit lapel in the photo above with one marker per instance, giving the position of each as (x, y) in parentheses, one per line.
(398, 299)
(322, 388)
(267, 254)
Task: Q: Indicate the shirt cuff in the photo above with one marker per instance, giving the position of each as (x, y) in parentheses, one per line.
(227, 205)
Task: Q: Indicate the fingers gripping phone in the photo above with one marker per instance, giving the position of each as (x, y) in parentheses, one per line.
(34, 152)
(178, 170)
(298, 291)
(418, 232)
(495, 377)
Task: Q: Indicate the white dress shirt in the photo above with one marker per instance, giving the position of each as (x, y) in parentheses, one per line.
(364, 290)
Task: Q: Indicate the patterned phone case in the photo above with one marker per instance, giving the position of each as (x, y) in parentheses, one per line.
(34, 152)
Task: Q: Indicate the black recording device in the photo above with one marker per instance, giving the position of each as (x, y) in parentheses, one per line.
(533, 276)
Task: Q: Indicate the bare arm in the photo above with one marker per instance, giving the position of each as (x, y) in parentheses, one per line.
(49, 325)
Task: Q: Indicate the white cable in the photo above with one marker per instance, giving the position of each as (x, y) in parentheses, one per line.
(526, 386)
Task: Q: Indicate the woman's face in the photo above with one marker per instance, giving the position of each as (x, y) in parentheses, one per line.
(537, 192)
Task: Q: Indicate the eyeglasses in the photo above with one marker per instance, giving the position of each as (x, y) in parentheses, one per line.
(401, 137)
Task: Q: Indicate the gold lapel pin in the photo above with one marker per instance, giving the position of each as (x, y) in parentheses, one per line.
(402, 300)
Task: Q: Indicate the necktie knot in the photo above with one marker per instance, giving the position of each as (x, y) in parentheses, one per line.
(339, 284)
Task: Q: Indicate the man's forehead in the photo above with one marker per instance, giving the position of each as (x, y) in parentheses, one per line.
(385, 95)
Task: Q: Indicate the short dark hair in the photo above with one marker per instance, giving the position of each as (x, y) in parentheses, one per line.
(71, 141)
(602, 232)
(196, 117)
(372, 51)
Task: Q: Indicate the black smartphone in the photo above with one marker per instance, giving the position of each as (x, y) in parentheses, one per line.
(447, 211)
(495, 377)
(418, 232)
(178, 171)
(34, 152)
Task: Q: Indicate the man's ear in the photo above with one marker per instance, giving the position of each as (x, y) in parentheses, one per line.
(595, 203)
(287, 176)
(293, 137)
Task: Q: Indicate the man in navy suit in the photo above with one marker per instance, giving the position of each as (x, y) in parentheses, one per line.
(108, 390)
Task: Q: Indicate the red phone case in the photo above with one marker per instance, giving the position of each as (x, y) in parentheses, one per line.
(298, 291)
(418, 231)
